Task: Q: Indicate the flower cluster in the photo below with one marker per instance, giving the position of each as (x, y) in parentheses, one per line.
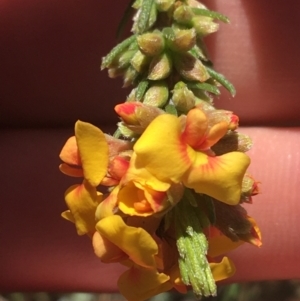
(164, 195)
(169, 172)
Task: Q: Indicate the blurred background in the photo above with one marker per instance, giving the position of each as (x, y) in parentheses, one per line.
(285, 290)
(50, 57)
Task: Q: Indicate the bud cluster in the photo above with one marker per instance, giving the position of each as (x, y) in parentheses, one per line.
(166, 53)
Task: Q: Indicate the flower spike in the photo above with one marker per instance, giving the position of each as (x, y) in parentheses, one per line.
(173, 177)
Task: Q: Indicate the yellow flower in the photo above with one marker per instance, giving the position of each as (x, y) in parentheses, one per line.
(86, 154)
(135, 242)
(82, 201)
(176, 150)
(138, 284)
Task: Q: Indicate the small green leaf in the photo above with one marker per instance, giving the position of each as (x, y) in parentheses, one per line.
(222, 80)
(204, 86)
(141, 89)
(210, 13)
(116, 51)
(144, 16)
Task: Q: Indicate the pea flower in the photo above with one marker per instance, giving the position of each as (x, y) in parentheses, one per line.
(177, 149)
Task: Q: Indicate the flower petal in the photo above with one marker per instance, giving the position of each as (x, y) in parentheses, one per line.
(219, 177)
(254, 237)
(82, 201)
(106, 250)
(70, 171)
(221, 244)
(195, 128)
(142, 176)
(223, 269)
(139, 200)
(108, 206)
(160, 150)
(135, 242)
(69, 153)
(138, 284)
(93, 150)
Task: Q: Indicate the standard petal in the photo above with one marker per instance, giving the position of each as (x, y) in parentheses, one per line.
(160, 150)
(82, 201)
(93, 150)
(138, 284)
(223, 269)
(219, 177)
(135, 242)
(142, 176)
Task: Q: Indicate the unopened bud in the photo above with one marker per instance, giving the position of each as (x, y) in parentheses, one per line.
(232, 141)
(137, 113)
(136, 116)
(118, 166)
(204, 25)
(115, 146)
(140, 61)
(157, 95)
(190, 68)
(249, 188)
(164, 5)
(195, 4)
(125, 131)
(146, 114)
(183, 98)
(151, 43)
(127, 111)
(129, 76)
(115, 72)
(125, 58)
(160, 67)
(184, 40)
(183, 14)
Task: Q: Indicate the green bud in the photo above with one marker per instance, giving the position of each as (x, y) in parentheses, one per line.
(151, 43)
(157, 95)
(130, 76)
(164, 5)
(204, 25)
(183, 98)
(146, 114)
(160, 67)
(125, 131)
(195, 4)
(115, 72)
(183, 40)
(140, 61)
(183, 15)
(137, 4)
(125, 58)
(190, 67)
